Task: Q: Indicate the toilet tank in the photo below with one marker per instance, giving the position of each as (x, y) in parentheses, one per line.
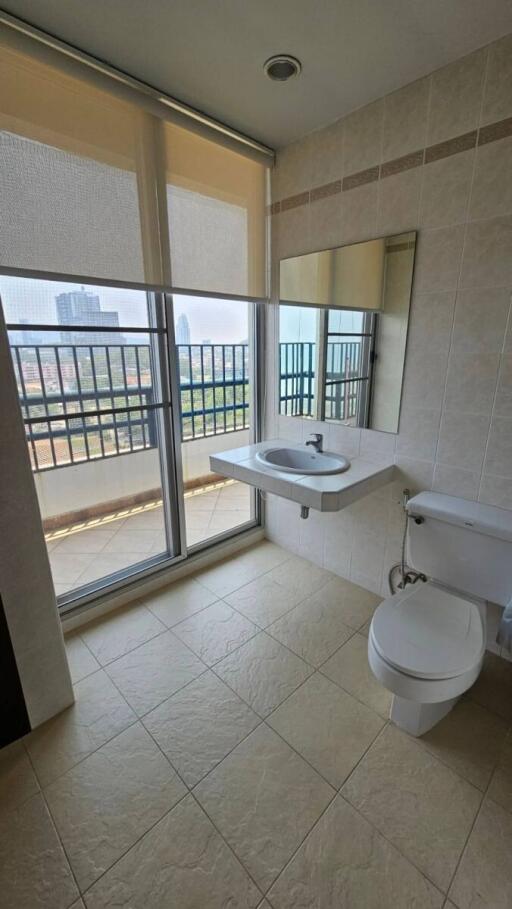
(462, 544)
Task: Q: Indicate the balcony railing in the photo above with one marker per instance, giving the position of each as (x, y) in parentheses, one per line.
(297, 378)
(86, 402)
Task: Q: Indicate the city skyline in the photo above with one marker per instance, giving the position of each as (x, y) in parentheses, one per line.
(34, 301)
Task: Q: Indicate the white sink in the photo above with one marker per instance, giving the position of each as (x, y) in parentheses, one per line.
(296, 460)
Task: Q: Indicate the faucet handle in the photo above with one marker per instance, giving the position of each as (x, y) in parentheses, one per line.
(318, 437)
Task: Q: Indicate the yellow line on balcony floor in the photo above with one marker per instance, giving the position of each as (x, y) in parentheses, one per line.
(102, 520)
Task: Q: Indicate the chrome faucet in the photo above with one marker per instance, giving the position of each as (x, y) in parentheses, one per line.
(317, 441)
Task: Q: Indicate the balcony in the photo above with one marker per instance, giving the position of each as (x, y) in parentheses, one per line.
(92, 434)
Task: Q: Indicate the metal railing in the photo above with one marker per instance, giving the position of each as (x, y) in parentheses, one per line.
(297, 378)
(86, 402)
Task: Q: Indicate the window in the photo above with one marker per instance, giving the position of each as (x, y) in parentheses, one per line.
(350, 355)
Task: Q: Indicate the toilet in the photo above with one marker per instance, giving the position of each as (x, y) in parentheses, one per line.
(427, 642)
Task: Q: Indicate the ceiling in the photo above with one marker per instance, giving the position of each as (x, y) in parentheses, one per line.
(209, 53)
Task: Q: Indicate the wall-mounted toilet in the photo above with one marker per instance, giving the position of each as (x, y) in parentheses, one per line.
(427, 642)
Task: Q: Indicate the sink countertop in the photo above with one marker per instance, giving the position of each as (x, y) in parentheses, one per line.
(324, 493)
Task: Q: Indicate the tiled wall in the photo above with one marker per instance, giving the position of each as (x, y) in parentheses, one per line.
(435, 156)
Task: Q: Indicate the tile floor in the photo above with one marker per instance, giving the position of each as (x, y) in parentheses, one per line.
(91, 550)
(229, 748)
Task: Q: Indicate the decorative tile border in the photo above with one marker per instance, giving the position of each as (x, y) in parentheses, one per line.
(502, 129)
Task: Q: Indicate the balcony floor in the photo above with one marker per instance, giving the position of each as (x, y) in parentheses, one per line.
(91, 550)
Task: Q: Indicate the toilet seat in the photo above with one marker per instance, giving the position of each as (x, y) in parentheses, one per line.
(428, 632)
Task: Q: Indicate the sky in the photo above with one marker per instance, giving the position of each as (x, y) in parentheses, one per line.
(218, 321)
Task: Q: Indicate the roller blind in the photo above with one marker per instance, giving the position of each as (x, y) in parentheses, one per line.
(216, 205)
(92, 185)
(69, 200)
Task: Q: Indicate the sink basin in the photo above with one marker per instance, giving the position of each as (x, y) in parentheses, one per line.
(303, 460)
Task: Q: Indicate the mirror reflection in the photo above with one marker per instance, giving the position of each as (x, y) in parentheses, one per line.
(342, 354)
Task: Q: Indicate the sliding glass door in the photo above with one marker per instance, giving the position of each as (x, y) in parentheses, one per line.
(120, 419)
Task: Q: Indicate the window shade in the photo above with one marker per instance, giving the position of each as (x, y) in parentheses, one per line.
(69, 197)
(216, 204)
(93, 186)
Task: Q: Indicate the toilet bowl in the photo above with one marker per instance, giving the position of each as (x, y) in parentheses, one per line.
(426, 645)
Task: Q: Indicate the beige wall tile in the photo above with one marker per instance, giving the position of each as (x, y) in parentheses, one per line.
(292, 234)
(363, 137)
(491, 194)
(471, 382)
(431, 321)
(438, 257)
(480, 320)
(487, 260)
(497, 96)
(326, 149)
(496, 491)
(405, 119)
(359, 213)
(325, 222)
(456, 97)
(498, 459)
(445, 190)
(503, 402)
(454, 481)
(462, 439)
(418, 433)
(292, 171)
(398, 202)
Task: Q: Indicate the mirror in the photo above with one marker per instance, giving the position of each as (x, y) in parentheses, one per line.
(343, 320)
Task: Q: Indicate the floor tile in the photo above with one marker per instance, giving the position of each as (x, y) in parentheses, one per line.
(151, 519)
(263, 673)
(349, 668)
(483, 877)
(493, 687)
(501, 784)
(34, 872)
(264, 799)
(179, 601)
(264, 600)
(300, 575)
(138, 542)
(313, 630)
(199, 725)
(98, 714)
(81, 661)
(86, 541)
(154, 671)
(469, 739)
(106, 803)
(329, 728)
(241, 568)
(355, 604)
(418, 803)
(67, 567)
(215, 631)
(182, 862)
(104, 565)
(17, 779)
(120, 631)
(345, 862)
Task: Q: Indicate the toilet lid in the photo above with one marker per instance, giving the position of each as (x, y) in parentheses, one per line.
(428, 632)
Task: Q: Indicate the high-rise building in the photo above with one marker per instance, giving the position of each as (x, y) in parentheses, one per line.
(82, 308)
(182, 330)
